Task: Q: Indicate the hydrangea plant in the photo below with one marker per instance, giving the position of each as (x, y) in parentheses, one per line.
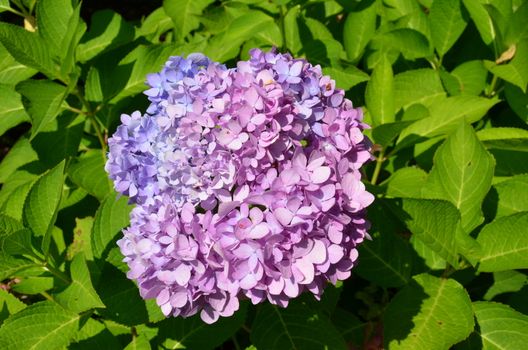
(246, 183)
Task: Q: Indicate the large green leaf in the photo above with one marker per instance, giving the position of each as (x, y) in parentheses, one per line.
(518, 101)
(411, 43)
(417, 86)
(80, 295)
(27, 48)
(110, 218)
(471, 77)
(42, 100)
(515, 71)
(379, 94)
(184, 14)
(296, 327)
(482, 20)
(359, 28)
(514, 139)
(430, 313)
(193, 333)
(291, 30)
(43, 325)
(462, 174)
(447, 24)
(504, 198)
(12, 111)
(9, 305)
(108, 30)
(227, 45)
(12, 72)
(53, 17)
(505, 243)
(446, 115)
(42, 203)
(20, 154)
(14, 238)
(516, 30)
(506, 282)
(11, 266)
(88, 173)
(407, 183)
(500, 327)
(386, 260)
(346, 76)
(435, 223)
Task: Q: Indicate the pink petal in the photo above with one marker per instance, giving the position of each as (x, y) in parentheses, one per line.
(318, 253)
(306, 268)
(321, 174)
(259, 231)
(208, 315)
(283, 215)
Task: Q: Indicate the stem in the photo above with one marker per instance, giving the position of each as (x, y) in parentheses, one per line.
(246, 328)
(377, 169)
(12, 10)
(90, 114)
(57, 273)
(491, 91)
(46, 295)
(235, 342)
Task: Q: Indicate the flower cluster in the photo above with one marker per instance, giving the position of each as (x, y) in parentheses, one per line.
(246, 182)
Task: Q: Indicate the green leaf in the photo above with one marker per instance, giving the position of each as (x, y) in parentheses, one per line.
(518, 101)
(14, 238)
(121, 298)
(9, 305)
(427, 256)
(407, 183)
(435, 223)
(514, 139)
(80, 295)
(33, 285)
(27, 48)
(193, 333)
(291, 30)
(411, 43)
(504, 198)
(88, 173)
(500, 327)
(506, 282)
(53, 17)
(471, 77)
(505, 243)
(319, 44)
(108, 30)
(417, 86)
(446, 115)
(20, 154)
(184, 14)
(42, 203)
(110, 218)
(14, 193)
(447, 24)
(156, 23)
(359, 29)
(59, 139)
(11, 266)
(346, 76)
(385, 261)
(95, 335)
(143, 60)
(385, 134)
(516, 30)
(296, 327)
(349, 325)
(12, 111)
(138, 343)
(430, 313)
(462, 174)
(227, 45)
(12, 72)
(516, 71)
(379, 95)
(42, 100)
(482, 20)
(43, 325)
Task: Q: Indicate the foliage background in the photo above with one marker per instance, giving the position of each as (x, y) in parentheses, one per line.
(444, 85)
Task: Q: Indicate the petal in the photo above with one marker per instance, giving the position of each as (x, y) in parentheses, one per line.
(283, 215)
(209, 315)
(259, 231)
(306, 268)
(321, 174)
(318, 253)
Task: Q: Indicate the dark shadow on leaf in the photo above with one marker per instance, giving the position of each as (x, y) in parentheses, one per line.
(491, 204)
(403, 308)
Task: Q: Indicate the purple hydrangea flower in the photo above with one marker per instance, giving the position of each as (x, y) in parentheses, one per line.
(246, 182)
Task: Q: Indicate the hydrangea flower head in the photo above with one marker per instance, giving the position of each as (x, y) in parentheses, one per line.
(246, 182)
